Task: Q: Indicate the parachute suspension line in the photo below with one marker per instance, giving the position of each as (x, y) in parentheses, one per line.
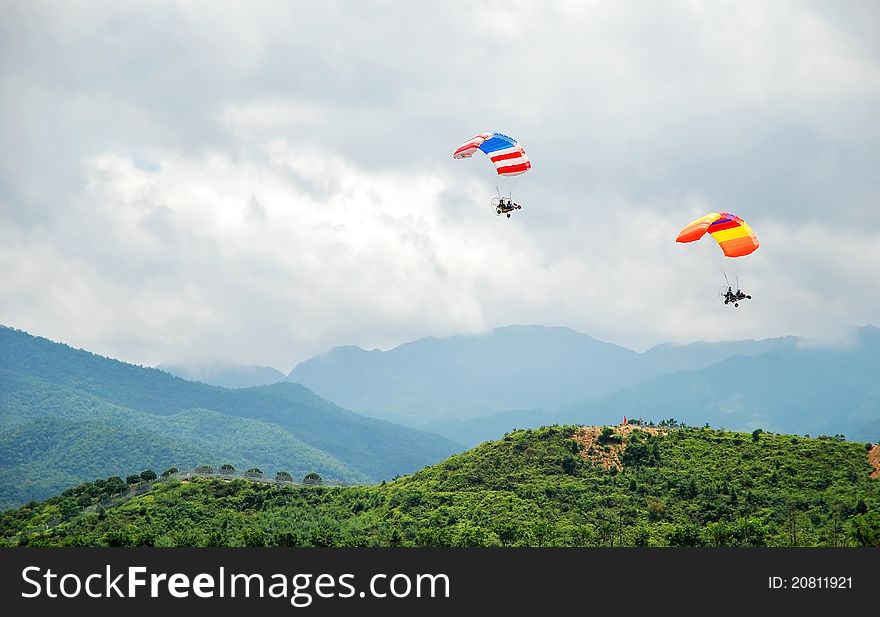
(713, 264)
(723, 273)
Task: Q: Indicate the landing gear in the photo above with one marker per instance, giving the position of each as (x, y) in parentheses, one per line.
(728, 296)
(504, 205)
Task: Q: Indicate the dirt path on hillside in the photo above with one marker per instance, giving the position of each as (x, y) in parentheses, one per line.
(608, 454)
(874, 459)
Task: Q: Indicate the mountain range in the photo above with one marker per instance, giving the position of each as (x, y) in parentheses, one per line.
(793, 388)
(434, 382)
(67, 415)
(475, 388)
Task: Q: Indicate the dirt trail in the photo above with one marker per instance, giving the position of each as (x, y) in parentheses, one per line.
(608, 455)
(874, 459)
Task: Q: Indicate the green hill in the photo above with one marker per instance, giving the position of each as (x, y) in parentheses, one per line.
(67, 416)
(555, 486)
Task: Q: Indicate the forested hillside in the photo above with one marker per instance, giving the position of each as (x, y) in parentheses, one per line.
(554, 486)
(67, 416)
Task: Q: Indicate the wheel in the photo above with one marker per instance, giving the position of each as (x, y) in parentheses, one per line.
(508, 215)
(736, 303)
(749, 297)
(498, 210)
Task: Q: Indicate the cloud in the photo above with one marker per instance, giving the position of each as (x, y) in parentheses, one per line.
(258, 183)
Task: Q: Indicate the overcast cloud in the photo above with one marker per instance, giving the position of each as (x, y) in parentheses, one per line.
(257, 182)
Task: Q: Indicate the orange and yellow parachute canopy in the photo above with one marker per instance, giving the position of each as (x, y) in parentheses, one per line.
(732, 234)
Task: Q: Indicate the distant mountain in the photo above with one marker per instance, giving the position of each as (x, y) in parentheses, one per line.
(435, 381)
(671, 357)
(802, 389)
(224, 374)
(68, 415)
(794, 387)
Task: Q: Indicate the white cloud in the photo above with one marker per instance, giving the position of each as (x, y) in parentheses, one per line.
(270, 116)
(258, 183)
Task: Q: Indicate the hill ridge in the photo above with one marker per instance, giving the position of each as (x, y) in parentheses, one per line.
(257, 426)
(683, 486)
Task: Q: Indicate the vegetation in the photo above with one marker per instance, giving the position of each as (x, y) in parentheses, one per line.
(67, 416)
(674, 487)
(312, 478)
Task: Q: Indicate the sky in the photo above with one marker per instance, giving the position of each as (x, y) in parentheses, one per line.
(258, 182)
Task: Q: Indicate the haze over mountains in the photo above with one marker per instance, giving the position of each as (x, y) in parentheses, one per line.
(471, 389)
(432, 380)
(475, 388)
(67, 415)
(794, 388)
(224, 374)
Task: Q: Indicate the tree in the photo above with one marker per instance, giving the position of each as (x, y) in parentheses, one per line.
(170, 471)
(751, 531)
(254, 472)
(685, 534)
(608, 436)
(227, 469)
(204, 469)
(756, 434)
(670, 423)
(470, 534)
(791, 521)
(866, 532)
(287, 538)
(312, 478)
(253, 536)
(641, 536)
(322, 535)
(719, 533)
(148, 475)
(114, 485)
(132, 479)
(508, 532)
(283, 476)
(641, 453)
(656, 509)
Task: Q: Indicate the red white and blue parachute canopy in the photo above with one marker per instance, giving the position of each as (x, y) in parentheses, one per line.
(509, 157)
